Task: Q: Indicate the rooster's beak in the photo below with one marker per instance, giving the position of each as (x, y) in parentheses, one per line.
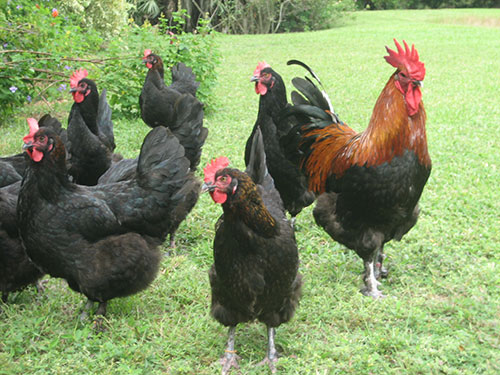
(207, 187)
(73, 89)
(254, 79)
(27, 146)
(418, 83)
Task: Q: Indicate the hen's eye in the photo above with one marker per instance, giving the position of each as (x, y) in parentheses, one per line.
(402, 74)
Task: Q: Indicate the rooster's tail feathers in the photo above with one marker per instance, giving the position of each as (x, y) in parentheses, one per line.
(313, 95)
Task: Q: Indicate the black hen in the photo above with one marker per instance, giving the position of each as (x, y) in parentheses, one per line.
(16, 270)
(90, 134)
(102, 239)
(12, 167)
(254, 275)
(174, 106)
(288, 179)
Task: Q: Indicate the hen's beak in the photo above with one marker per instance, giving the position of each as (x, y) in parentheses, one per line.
(254, 79)
(27, 146)
(418, 83)
(207, 187)
(73, 89)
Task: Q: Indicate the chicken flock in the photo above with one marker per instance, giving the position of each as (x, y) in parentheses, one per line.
(72, 208)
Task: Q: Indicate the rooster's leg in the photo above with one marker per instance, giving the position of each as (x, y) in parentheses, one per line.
(371, 283)
(230, 359)
(272, 353)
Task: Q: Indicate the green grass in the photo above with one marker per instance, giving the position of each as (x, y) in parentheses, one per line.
(442, 314)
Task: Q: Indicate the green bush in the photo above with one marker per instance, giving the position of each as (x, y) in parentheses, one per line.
(421, 4)
(40, 46)
(36, 40)
(108, 17)
(124, 75)
(304, 15)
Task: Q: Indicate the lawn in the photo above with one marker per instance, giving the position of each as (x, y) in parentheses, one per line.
(442, 313)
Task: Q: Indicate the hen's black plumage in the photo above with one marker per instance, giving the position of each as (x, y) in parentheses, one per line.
(254, 275)
(16, 270)
(288, 179)
(90, 134)
(102, 239)
(174, 106)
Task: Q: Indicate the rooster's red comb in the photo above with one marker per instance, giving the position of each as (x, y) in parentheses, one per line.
(147, 52)
(33, 124)
(77, 76)
(407, 58)
(260, 66)
(212, 167)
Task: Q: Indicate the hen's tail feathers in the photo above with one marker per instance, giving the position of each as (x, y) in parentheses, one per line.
(184, 80)
(188, 127)
(122, 170)
(104, 122)
(257, 168)
(162, 166)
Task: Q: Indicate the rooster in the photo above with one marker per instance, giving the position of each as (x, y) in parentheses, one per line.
(370, 182)
(103, 240)
(174, 106)
(254, 275)
(90, 134)
(288, 179)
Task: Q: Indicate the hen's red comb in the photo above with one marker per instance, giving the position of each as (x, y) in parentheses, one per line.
(212, 167)
(33, 124)
(407, 58)
(260, 66)
(147, 52)
(77, 76)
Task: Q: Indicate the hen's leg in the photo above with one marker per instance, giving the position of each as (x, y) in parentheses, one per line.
(99, 316)
(380, 270)
(230, 359)
(272, 353)
(371, 283)
(85, 311)
(172, 240)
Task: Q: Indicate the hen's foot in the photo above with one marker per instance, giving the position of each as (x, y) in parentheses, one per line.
(228, 361)
(40, 285)
(271, 362)
(375, 293)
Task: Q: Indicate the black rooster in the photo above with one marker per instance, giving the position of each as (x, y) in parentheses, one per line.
(288, 178)
(102, 239)
(254, 275)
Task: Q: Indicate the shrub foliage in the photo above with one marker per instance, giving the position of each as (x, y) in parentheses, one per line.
(41, 45)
